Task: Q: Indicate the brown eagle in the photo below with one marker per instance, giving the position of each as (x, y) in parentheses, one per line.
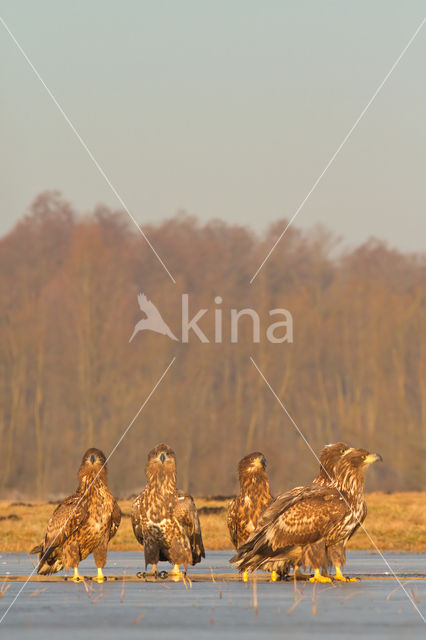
(329, 457)
(83, 523)
(245, 510)
(165, 520)
(313, 520)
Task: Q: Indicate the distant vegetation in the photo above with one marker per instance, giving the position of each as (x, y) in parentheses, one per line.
(69, 379)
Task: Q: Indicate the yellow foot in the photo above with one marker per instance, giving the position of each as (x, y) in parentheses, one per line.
(153, 572)
(317, 577)
(320, 579)
(245, 576)
(274, 576)
(176, 574)
(77, 577)
(99, 577)
(339, 576)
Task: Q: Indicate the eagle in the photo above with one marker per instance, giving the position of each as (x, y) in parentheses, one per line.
(165, 520)
(245, 510)
(328, 458)
(301, 529)
(83, 523)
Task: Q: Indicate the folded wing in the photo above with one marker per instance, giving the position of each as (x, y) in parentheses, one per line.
(66, 519)
(115, 520)
(137, 519)
(186, 514)
(305, 518)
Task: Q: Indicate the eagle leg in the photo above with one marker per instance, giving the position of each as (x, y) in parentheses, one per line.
(176, 573)
(317, 577)
(153, 572)
(77, 577)
(339, 576)
(299, 574)
(100, 576)
(274, 576)
(245, 576)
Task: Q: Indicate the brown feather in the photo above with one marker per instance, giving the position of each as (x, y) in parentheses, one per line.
(164, 519)
(83, 523)
(245, 510)
(300, 528)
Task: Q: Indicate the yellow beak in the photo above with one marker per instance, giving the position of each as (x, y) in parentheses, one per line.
(373, 457)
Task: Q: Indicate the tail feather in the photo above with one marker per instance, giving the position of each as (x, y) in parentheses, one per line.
(49, 560)
(257, 553)
(37, 549)
(197, 548)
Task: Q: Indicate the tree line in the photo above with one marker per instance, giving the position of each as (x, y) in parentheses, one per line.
(355, 369)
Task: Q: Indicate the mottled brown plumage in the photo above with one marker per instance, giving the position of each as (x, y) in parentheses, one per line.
(300, 529)
(329, 457)
(83, 523)
(245, 510)
(164, 519)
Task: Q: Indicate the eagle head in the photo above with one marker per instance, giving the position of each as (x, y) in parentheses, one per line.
(329, 458)
(251, 463)
(93, 463)
(352, 465)
(161, 459)
(360, 458)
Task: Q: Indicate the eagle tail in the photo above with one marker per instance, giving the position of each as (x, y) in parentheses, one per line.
(47, 568)
(197, 548)
(257, 552)
(37, 549)
(49, 561)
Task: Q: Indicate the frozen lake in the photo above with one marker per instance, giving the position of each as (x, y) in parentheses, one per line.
(370, 609)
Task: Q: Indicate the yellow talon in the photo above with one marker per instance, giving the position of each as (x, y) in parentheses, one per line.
(77, 577)
(99, 577)
(274, 576)
(317, 577)
(341, 578)
(245, 576)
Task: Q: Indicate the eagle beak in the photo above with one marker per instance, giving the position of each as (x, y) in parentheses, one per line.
(263, 462)
(92, 458)
(162, 458)
(373, 457)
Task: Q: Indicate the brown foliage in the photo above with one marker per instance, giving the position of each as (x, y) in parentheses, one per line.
(356, 370)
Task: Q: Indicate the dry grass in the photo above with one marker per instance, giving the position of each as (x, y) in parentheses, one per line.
(395, 522)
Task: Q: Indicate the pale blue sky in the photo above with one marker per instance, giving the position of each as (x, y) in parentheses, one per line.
(226, 109)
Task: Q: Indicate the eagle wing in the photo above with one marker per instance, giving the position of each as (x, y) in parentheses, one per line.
(137, 519)
(66, 519)
(186, 514)
(232, 520)
(115, 520)
(306, 519)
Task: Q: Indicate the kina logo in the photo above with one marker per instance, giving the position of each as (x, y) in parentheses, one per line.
(153, 321)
